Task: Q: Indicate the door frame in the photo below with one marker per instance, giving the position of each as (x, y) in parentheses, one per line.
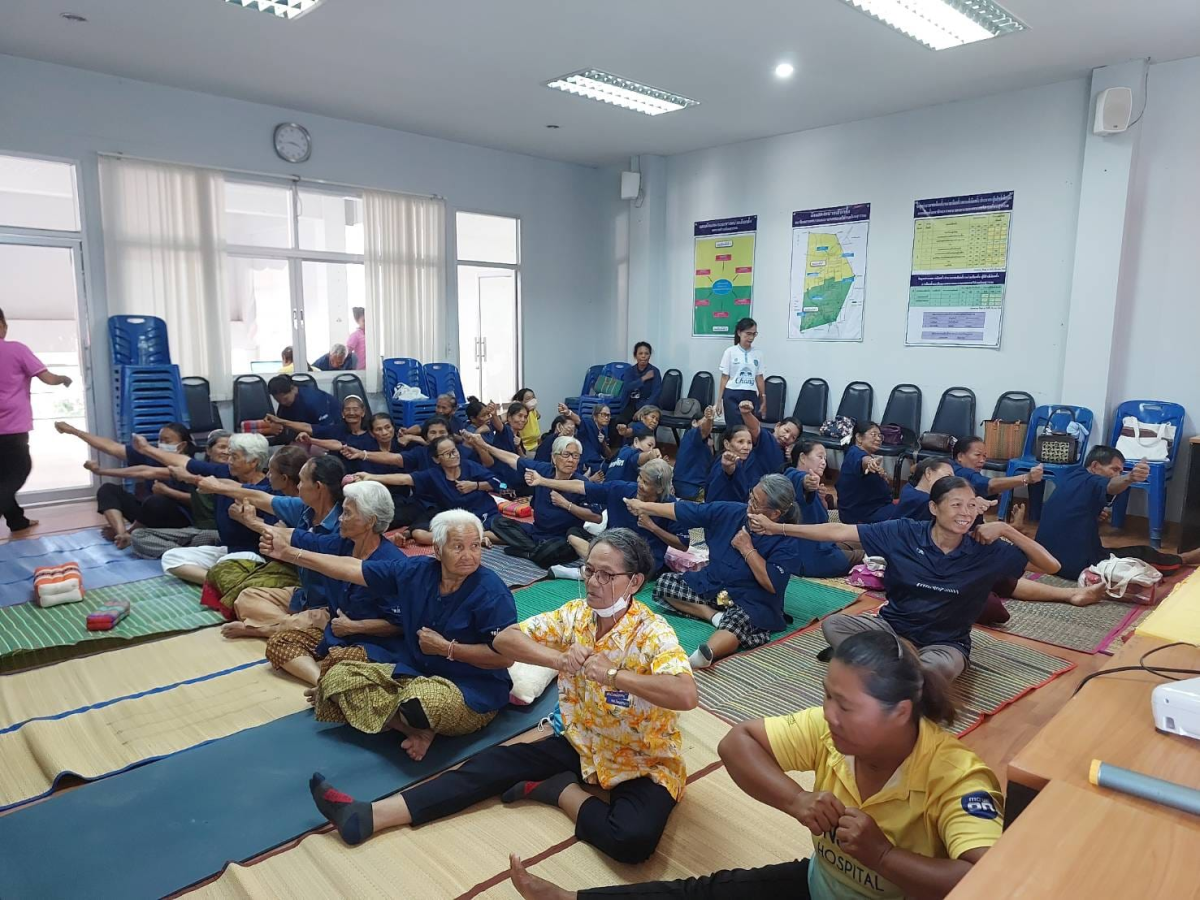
(519, 325)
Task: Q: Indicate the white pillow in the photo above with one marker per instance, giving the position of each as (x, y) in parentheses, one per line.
(529, 682)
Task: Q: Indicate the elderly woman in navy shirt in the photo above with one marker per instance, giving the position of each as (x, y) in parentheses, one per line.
(938, 574)
(439, 675)
(545, 542)
(752, 571)
(864, 494)
(593, 435)
(970, 456)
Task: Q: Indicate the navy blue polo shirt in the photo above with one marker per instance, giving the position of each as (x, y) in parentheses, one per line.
(723, 488)
(914, 504)
(1069, 528)
(545, 448)
(978, 481)
(728, 570)
(480, 609)
(812, 507)
(313, 406)
(612, 495)
(638, 393)
(861, 497)
(935, 597)
(692, 464)
(624, 466)
(441, 493)
(235, 536)
(314, 590)
(766, 457)
(548, 520)
(594, 444)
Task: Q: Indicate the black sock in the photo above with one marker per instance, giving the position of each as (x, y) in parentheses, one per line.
(547, 791)
(351, 817)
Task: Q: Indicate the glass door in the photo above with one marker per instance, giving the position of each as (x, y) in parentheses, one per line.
(42, 303)
(487, 303)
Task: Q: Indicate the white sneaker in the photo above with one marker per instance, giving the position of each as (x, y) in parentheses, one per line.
(570, 573)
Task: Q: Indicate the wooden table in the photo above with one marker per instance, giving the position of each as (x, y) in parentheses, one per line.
(1073, 842)
(1110, 720)
(1189, 537)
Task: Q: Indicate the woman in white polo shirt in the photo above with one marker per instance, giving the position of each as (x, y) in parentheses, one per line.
(742, 374)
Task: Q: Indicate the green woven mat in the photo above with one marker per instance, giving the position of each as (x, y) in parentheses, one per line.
(157, 606)
(783, 677)
(806, 601)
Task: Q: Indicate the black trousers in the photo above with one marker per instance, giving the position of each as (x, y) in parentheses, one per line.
(153, 512)
(781, 880)
(519, 541)
(731, 399)
(15, 466)
(627, 828)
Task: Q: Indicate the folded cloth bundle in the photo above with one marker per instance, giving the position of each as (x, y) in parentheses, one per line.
(253, 426)
(108, 615)
(517, 509)
(53, 585)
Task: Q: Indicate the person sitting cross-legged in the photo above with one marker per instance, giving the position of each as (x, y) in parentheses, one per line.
(623, 677)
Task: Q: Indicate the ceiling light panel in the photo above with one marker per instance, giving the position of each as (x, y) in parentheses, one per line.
(617, 91)
(283, 9)
(940, 24)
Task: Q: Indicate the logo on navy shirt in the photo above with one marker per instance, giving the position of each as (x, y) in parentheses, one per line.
(980, 805)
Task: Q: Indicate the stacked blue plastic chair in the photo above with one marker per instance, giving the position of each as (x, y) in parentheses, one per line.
(1056, 418)
(590, 401)
(443, 378)
(147, 390)
(405, 413)
(589, 381)
(1149, 412)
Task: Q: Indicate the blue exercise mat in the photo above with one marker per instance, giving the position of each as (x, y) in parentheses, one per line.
(158, 828)
(75, 540)
(101, 566)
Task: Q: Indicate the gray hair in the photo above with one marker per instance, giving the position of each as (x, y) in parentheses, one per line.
(647, 410)
(216, 435)
(357, 399)
(453, 399)
(658, 474)
(338, 350)
(781, 497)
(372, 500)
(252, 446)
(634, 550)
(562, 442)
(451, 520)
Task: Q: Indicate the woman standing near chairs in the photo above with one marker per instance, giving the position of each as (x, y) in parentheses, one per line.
(742, 374)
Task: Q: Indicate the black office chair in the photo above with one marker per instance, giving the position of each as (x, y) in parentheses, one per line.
(858, 400)
(776, 387)
(812, 406)
(250, 400)
(1011, 406)
(903, 409)
(346, 385)
(701, 390)
(668, 397)
(955, 416)
(303, 378)
(203, 415)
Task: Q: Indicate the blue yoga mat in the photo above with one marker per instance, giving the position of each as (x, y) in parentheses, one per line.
(101, 565)
(75, 540)
(159, 828)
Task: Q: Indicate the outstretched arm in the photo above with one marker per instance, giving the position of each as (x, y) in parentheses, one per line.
(399, 479)
(830, 531)
(746, 408)
(140, 473)
(260, 500)
(276, 543)
(1121, 483)
(483, 448)
(658, 510)
(571, 486)
(96, 442)
(1039, 556)
(47, 377)
(143, 446)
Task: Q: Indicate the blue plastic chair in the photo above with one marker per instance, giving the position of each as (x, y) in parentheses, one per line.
(1056, 417)
(1152, 412)
(138, 341)
(589, 379)
(442, 378)
(147, 398)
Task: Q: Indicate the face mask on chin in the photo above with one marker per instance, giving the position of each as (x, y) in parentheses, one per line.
(616, 609)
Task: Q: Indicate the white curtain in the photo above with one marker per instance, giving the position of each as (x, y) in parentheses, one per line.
(406, 279)
(164, 255)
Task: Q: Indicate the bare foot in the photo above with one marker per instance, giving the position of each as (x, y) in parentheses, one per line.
(416, 745)
(1088, 595)
(310, 694)
(530, 886)
(108, 532)
(122, 541)
(238, 630)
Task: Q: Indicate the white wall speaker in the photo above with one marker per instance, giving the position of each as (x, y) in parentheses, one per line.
(631, 185)
(1114, 109)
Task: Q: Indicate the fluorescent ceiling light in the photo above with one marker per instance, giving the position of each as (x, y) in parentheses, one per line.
(939, 24)
(284, 9)
(609, 88)
(784, 70)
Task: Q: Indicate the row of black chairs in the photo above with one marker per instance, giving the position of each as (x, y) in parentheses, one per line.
(251, 400)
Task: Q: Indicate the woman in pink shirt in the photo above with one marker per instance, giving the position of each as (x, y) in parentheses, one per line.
(356, 343)
(17, 366)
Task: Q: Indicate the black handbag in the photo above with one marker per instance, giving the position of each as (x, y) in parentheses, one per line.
(1059, 448)
(937, 442)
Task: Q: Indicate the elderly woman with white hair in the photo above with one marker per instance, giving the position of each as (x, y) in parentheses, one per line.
(555, 522)
(357, 628)
(249, 456)
(442, 675)
(337, 358)
(653, 485)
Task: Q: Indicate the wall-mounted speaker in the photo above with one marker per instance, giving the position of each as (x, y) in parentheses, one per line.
(1114, 109)
(631, 185)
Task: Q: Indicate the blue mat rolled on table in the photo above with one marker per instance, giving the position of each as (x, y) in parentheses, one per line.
(161, 827)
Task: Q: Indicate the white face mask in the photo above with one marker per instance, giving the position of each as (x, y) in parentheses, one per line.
(531, 404)
(168, 448)
(616, 609)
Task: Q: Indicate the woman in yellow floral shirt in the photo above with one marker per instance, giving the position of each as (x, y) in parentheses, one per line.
(623, 677)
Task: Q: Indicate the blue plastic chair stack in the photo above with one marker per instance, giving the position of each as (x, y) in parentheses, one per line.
(1149, 412)
(1057, 418)
(404, 370)
(590, 401)
(443, 378)
(147, 390)
(589, 380)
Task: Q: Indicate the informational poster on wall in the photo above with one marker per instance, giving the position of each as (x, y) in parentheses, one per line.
(959, 270)
(723, 287)
(829, 273)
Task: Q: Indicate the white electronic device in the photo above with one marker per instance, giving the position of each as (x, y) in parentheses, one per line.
(1114, 109)
(1176, 707)
(631, 185)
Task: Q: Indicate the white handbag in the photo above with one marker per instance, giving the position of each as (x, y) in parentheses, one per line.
(1121, 575)
(1145, 440)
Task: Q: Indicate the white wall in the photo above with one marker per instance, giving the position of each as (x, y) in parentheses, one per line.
(1029, 142)
(70, 113)
(1158, 322)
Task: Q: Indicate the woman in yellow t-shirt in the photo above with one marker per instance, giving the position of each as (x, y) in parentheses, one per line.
(899, 807)
(531, 435)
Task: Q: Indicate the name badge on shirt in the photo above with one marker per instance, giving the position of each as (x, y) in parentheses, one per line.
(617, 698)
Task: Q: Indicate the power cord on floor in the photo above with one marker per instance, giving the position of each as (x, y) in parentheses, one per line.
(1142, 667)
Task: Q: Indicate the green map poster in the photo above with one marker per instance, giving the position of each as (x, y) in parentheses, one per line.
(829, 273)
(723, 283)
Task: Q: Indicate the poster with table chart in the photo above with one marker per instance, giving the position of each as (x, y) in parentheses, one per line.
(959, 270)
